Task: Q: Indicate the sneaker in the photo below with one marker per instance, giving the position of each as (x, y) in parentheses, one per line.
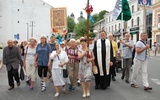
(30, 88)
(27, 82)
(41, 83)
(147, 88)
(43, 89)
(70, 87)
(127, 81)
(73, 88)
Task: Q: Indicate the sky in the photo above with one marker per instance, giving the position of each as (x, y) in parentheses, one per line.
(76, 6)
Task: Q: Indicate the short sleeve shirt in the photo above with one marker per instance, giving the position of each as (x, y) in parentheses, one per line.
(142, 55)
(127, 52)
(43, 54)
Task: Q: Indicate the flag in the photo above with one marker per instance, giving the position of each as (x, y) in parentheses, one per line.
(122, 7)
(146, 3)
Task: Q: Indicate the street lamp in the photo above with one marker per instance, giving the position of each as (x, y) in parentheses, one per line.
(27, 31)
(32, 25)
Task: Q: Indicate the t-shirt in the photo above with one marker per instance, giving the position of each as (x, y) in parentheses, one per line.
(30, 52)
(53, 46)
(127, 52)
(142, 55)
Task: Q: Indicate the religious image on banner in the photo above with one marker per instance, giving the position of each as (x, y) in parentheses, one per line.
(146, 3)
(58, 18)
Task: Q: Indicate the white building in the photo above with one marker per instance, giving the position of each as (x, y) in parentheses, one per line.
(22, 17)
(136, 22)
(111, 25)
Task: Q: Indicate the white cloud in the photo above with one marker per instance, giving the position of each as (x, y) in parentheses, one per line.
(76, 6)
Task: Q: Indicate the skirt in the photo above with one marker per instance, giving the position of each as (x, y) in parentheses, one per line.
(57, 76)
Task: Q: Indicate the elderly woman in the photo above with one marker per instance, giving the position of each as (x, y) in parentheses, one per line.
(60, 59)
(85, 69)
(42, 56)
(29, 54)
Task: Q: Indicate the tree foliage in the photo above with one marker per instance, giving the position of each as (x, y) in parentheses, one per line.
(71, 24)
(99, 16)
(80, 28)
(95, 17)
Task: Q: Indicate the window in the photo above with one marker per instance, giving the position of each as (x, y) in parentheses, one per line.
(109, 28)
(106, 20)
(132, 23)
(137, 21)
(158, 18)
(109, 19)
(112, 28)
(17, 21)
(106, 30)
(133, 9)
(17, 9)
(138, 9)
(115, 27)
(119, 26)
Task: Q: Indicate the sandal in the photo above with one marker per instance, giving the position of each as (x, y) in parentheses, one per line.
(134, 86)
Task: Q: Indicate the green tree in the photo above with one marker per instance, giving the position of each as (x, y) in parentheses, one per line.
(101, 14)
(92, 35)
(71, 24)
(95, 17)
(80, 28)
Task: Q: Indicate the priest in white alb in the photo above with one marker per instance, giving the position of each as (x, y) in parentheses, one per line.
(103, 53)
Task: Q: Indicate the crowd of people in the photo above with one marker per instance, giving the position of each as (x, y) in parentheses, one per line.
(74, 61)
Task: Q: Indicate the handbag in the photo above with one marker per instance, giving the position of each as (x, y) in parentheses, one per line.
(65, 71)
(21, 74)
(94, 69)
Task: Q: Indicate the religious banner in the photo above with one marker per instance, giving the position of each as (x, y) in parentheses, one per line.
(58, 18)
(146, 3)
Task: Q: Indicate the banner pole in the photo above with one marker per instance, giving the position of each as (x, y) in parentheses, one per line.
(122, 24)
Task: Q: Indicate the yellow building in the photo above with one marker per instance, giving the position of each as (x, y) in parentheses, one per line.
(156, 21)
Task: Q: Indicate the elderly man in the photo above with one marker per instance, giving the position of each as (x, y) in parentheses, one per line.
(12, 58)
(73, 63)
(140, 63)
(103, 53)
(115, 51)
(127, 46)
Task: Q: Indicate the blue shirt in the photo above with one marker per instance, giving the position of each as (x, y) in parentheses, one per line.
(127, 52)
(43, 54)
(143, 55)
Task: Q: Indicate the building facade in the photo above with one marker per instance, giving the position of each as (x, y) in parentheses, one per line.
(156, 21)
(24, 18)
(134, 26)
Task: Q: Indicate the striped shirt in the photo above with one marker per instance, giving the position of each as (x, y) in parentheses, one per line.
(72, 52)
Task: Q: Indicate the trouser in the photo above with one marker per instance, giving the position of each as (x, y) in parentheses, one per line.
(126, 67)
(13, 73)
(73, 72)
(113, 71)
(140, 66)
(103, 81)
(42, 70)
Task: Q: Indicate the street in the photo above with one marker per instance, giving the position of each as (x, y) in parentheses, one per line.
(119, 90)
